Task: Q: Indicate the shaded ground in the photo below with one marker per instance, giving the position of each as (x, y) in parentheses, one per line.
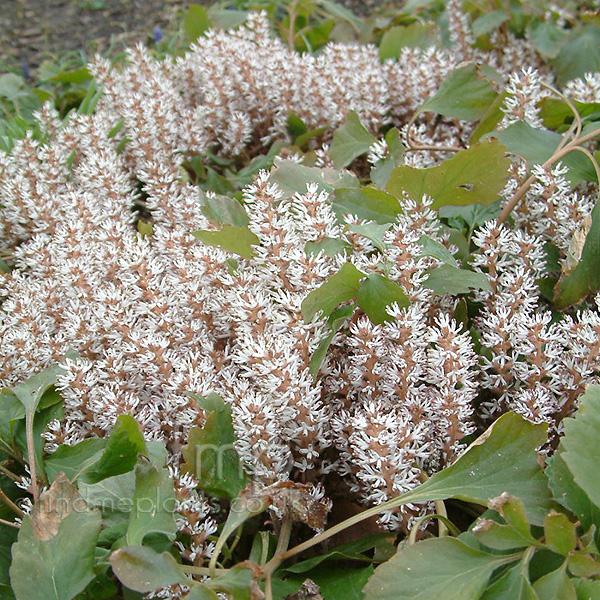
(33, 30)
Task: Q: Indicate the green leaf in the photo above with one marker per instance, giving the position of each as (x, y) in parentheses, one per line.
(349, 551)
(376, 293)
(382, 170)
(153, 503)
(210, 454)
(583, 565)
(74, 460)
(474, 175)
(537, 145)
(433, 248)
(587, 589)
(488, 22)
(350, 141)
(8, 536)
(464, 94)
(581, 443)
(236, 583)
(195, 22)
(346, 587)
(372, 231)
(415, 35)
(560, 533)
(447, 279)
(503, 459)
(489, 121)
(567, 493)
(579, 55)
(121, 451)
(30, 392)
(143, 570)
(556, 114)
(329, 246)
(223, 210)
(303, 139)
(12, 87)
(79, 75)
(340, 287)
(367, 203)
(336, 321)
(513, 584)
(471, 216)
(500, 537)
(54, 555)
(292, 178)
(584, 279)
(547, 37)
(111, 495)
(434, 569)
(296, 126)
(238, 240)
(556, 585)
(223, 18)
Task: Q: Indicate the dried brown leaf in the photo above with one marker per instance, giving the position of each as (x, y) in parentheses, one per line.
(60, 500)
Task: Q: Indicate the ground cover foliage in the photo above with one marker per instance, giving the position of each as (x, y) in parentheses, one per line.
(302, 305)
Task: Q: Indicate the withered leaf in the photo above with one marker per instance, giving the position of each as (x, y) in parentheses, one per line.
(60, 500)
(309, 591)
(296, 501)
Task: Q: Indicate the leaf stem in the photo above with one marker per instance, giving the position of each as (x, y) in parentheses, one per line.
(35, 490)
(573, 146)
(11, 504)
(9, 523)
(191, 570)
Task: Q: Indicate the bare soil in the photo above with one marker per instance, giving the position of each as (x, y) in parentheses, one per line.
(34, 30)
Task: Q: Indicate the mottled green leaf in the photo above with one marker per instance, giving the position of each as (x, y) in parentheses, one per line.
(54, 555)
(547, 37)
(579, 55)
(488, 22)
(121, 452)
(340, 287)
(143, 570)
(434, 569)
(464, 94)
(559, 533)
(555, 585)
(223, 210)
(195, 22)
(581, 276)
(292, 178)
(238, 240)
(537, 145)
(376, 293)
(367, 203)
(474, 175)
(581, 443)
(567, 493)
(415, 35)
(153, 503)
(503, 459)
(350, 141)
(447, 279)
(210, 454)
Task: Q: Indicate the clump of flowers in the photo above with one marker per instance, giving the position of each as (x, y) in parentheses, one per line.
(156, 317)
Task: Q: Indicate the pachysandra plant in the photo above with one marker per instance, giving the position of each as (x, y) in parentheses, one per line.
(251, 287)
